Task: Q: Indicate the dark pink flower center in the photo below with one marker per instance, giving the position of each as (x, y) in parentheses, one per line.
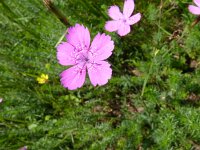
(82, 54)
(82, 57)
(124, 20)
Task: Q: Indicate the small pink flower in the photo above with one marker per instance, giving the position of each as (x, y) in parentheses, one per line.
(23, 148)
(121, 21)
(195, 9)
(78, 52)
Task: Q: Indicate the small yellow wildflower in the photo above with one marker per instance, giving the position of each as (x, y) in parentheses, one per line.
(43, 78)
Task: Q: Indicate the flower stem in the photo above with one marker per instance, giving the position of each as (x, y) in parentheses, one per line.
(56, 12)
(196, 21)
(146, 80)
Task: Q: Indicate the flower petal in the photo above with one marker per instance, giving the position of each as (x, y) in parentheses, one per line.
(65, 54)
(78, 36)
(101, 47)
(124, 29)
(134, 19)
(73, 77)
(114, 12)
(197, 2)
(112, 25)
(194, 10)
(99, 73)
(128, 8)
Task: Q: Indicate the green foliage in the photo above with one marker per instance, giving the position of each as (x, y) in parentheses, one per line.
(151, 102)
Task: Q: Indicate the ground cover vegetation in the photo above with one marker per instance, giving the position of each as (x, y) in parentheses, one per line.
(151, 102)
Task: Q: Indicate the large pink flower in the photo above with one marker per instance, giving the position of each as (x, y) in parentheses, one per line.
(195, 9)
(78, 52)
(121, 21)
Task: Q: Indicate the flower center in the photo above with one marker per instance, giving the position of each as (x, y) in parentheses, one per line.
(82, 57)
(124, 20)
(81, 54)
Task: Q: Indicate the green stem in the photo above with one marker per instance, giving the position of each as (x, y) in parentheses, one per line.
(14, 120)
(146, 79)
(155, 53)
(61, 38)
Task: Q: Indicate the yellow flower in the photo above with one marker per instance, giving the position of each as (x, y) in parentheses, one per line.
(43, 78)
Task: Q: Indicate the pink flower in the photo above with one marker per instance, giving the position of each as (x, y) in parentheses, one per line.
(23, 148)
(78, 52)
(195, 9)
(121, 21)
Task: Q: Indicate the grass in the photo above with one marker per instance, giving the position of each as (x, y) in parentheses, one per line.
(151, 102)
